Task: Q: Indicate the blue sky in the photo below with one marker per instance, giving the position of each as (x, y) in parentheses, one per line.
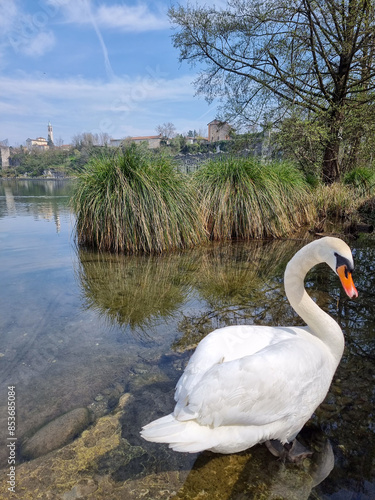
(93, 66)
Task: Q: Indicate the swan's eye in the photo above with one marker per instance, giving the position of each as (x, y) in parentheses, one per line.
(343, 262)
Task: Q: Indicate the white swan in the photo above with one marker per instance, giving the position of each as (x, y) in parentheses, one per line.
(250, 384)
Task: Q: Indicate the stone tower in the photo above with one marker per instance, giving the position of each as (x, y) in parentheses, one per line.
(50, 134)
(4, 154)
(218, 131)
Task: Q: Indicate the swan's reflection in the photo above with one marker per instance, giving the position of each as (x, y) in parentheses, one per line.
(254, 474)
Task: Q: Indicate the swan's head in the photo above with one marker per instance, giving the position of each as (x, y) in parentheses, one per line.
(339, 257)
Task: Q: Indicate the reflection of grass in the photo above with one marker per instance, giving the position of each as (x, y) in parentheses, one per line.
(131, 201)
(137, 289)
(131, 289)
(241, 283)
(243, 198)
(234, 273)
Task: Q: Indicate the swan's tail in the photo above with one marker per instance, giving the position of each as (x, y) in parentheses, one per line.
(187, 436)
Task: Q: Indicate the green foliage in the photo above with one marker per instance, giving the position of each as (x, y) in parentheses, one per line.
(302, 140)
(244, 198)
(177, 144)
(358, 139)
(250, 141)
(33, 163)
(361, 177)
(133, 201)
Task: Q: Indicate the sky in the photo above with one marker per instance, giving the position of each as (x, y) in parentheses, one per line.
(93, 66)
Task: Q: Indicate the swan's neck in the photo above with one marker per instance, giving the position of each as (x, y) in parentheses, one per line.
(320, 323)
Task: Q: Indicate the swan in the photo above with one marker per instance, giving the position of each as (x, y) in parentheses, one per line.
(246, 385)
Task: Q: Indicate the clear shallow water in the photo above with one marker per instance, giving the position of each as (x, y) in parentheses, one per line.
(78, 328)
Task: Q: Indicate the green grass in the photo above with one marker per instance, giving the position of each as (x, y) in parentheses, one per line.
(131, 201)
(361, 178)
(242, 198)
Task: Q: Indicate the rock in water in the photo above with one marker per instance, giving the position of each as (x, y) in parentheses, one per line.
(56, 433)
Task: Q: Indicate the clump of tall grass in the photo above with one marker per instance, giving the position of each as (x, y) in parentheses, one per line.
(361, 178)
(245, 199)
(131, 201)
(336, 201)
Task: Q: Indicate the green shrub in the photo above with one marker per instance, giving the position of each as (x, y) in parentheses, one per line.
(244, 198)
(131, 201)
(360, 177)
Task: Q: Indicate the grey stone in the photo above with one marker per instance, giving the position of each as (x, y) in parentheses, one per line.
(56, 433)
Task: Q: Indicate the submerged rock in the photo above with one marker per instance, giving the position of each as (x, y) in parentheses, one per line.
(56, 433)
(83, 468)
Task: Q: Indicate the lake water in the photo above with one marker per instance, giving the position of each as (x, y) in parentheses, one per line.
(80, 329)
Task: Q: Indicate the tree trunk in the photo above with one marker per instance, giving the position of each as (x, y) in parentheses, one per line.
(331, 167)
(331, 160)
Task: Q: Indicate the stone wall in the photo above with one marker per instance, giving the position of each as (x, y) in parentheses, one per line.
(5, 154)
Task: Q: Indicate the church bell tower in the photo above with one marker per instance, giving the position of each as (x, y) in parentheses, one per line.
(50, 134)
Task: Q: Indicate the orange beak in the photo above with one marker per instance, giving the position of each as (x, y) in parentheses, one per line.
(347, 281)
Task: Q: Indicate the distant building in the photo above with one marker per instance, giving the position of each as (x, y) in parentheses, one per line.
(218, 131)
(153, 141)
(194, 140)
(41, 142)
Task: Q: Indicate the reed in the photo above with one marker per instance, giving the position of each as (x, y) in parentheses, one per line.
(242, 198)
(336, 202)
(132, 201)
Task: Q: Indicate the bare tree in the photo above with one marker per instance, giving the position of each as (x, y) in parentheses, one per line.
(86, 139)
(104, 139)
(279, 55)
(167, 130)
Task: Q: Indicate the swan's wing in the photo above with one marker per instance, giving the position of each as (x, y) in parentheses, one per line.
(290, 377)
(223, 345)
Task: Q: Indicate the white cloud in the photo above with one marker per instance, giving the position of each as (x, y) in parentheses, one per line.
(74, 11)
(39, 44)
(119, 94)
(24, 33)
(9, 13)
(130, 18)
